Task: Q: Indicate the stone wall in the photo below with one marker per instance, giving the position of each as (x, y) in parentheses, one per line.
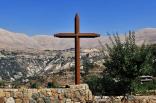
(76, 93)
(127, 99)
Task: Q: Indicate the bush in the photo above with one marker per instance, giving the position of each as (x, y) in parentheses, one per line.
(16, 84)
(107, 85)
(125, 61)
(143, 88)
(94, 84)
(110, 86)
(52, 85)
(2, 83)
(35, 85)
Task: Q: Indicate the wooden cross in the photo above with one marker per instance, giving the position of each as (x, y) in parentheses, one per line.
(77, 35)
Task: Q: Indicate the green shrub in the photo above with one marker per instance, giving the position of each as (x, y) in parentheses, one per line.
(2, 83)
(35, 85)
(144, 88)
(52, 85)
(106, 85)
(16, 84)
(94, 84)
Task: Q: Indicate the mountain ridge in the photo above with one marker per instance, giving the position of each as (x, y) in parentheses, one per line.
(13, 40)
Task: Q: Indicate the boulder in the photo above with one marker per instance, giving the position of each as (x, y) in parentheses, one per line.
(10, 100)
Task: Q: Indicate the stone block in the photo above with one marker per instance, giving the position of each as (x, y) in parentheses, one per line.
(32, 90)
(29, 94)
(7, 94)
(60, 90)
(2, 93)
(10, 100)
(40, 100)
(84, 86)
(35, 96)
(18, 94)
(68, 101)
(60, 97)
(25, 95)
(53, 92)
(18, 101)
(2, 100)
(49, 93)
(7, 90)
(25, 100)
(31, 100)
(47, 99)
(89, 95)
(43, 92)
(80, 86)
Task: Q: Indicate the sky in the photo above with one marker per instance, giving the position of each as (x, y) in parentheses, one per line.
(46, 17)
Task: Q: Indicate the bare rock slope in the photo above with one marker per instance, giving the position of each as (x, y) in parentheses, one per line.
(13, 40)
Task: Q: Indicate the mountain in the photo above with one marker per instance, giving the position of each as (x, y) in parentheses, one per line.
(13, 40)
(21, 65)
(147, 35)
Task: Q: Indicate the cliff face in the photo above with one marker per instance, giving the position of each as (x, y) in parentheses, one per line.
(17, 64)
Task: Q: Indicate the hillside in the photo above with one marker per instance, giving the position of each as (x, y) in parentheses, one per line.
(13, 40)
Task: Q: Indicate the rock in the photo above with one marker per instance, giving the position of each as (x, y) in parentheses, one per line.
(68, 94)
(49, 93)
(25, 100)
(68, 101)
(77, 96)
(2, 94)
(51, 99)
(35, 96)
(144, 101)
(80, 86)
(60, 97)
(47, 100)
(32, 101)
(29, 94)
(18, 101)
(41, 95)
(7, 94)
(55, 100)
(40, 100)
(18, 94)
(53, 92)
(2, 100)
(89, 95)
(10, 100)
(60, 91)
(82, 92)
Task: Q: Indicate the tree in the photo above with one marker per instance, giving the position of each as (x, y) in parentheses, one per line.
(125, 61)
(94, 83)
(87, 64)
(153, 50)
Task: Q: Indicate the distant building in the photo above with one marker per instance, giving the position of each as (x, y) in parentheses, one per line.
(147, 78)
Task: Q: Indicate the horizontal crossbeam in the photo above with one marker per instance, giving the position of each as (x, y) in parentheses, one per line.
(80, 35)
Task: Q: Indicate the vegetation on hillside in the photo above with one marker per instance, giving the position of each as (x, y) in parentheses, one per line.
(125, 62)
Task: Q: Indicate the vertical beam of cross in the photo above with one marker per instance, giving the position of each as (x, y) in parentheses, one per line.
(77, 50)
(77, 35)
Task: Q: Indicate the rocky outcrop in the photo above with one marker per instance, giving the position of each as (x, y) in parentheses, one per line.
(21, 65)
